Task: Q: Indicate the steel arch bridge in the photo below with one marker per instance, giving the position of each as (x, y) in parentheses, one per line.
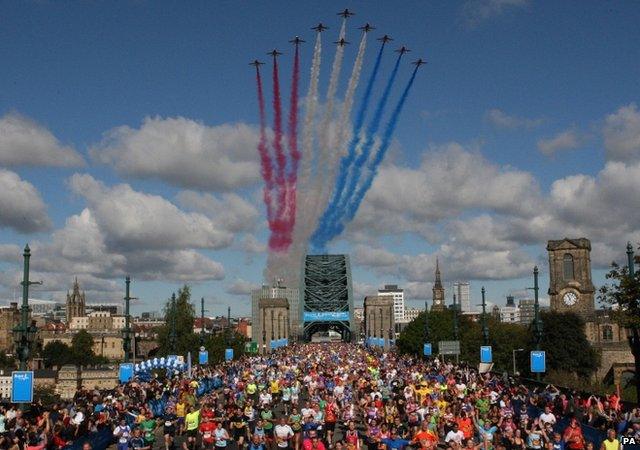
(327, 296)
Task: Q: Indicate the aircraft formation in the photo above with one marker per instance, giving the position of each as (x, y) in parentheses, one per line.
(314, 185)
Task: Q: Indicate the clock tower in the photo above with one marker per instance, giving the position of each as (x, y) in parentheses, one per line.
(570, 285)
(438, 291)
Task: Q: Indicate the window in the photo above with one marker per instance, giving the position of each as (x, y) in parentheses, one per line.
(607, 333)
(568, 267)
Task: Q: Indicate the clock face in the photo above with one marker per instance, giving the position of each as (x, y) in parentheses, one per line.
(570, 298)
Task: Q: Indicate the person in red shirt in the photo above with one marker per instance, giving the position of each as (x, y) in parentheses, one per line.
(465, 424)
(573, 436)
(207, 429)
(313, 443)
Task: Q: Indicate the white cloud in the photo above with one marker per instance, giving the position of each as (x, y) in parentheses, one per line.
(24, 142)
(231, 212)
(565, 140)
(476, 11)
(184, 153)
(241, 287)
(622, 134)
(500, 119)
(21, 207)
(132, 219)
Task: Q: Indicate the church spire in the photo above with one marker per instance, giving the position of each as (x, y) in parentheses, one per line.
(438, 282)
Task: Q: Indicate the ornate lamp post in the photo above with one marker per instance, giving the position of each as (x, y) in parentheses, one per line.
(126, 333)
(633, 334)
(455, 318)
(202, 310)
(485, 329)
(537, 323)
(24, 335)
(426, 321)
(172, 336)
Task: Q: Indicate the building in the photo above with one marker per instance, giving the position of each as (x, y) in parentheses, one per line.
(274, 317)
(527, 310)
(276, 291)
(70, 379)
(43, 307)
(411, 314)
(570, 285)
(438, 291)
(107, 344)
(327, 296)
(379, 318)
(510, 313)
(462, 291)
(75, 302)
(9, 319)
(397, 294)
(97, 322)
(571, 290)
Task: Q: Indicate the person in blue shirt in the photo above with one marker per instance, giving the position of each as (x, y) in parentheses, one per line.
(395, 442)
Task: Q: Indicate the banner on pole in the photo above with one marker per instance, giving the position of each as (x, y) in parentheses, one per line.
(486, 354)
(538, 361)
(126, 372)
(22, 386)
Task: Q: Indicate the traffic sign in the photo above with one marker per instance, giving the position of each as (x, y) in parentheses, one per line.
(486, 354)
(22, 386)
(449, 347)
(426, 349)
(538, 361)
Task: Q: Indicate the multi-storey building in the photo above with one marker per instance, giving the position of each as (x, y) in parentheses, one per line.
(462, 291)
(9, 319)
(392, 290)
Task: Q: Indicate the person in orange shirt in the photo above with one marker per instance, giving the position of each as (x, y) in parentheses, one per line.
(465, 424)
(425, 438)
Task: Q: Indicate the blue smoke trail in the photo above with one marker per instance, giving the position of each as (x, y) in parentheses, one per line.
(331, 229)
(375, 163)
(347, 160)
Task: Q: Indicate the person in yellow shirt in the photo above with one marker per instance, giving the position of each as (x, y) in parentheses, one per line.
(191, 421)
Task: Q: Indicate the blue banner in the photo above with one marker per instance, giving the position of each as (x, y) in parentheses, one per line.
(126, 372)
(22, 386)
(486, 354)
(426, 349)
(325, 316)
(538, 361)
(228, 354)
(203, 357)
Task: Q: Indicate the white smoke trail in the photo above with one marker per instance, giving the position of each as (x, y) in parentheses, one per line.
(287, 265)
(318, 186)
(342, 136)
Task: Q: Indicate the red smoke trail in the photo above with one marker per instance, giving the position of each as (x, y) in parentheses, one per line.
(265, 159)
(278, 239)
(293, 144)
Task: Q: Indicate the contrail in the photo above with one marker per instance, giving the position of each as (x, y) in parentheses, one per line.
(318, 185)
(292, 138)
(281, 159)
(378, 157)
(263, 150)
(347, 161)
(341, 136)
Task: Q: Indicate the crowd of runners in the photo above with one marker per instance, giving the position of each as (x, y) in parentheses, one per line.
(326, 396)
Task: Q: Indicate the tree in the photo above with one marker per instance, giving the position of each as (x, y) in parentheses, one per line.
(566, 345)
(622, 295)
(218, 343)
(56, 353)
(82, 348)
(7, 363)
(184, 313)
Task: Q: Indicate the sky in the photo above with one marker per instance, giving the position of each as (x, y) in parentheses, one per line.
(128, 135)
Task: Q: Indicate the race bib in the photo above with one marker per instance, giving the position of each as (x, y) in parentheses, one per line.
(168, 423)
(123, 440)
(207, 435)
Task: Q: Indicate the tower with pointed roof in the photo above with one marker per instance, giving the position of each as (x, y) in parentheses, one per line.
(75, 302)
(438, 291)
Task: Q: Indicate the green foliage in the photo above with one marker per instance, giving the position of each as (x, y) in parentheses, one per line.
(56, 353)
(185, 339)
(566, 344)
(82, 349)
(622, 292)
(216, 345)
(46, 395)
(7, 363)
(563, 339)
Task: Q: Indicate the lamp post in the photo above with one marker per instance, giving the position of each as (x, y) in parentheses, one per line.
(485, 329)
(455, 318)
(264, 331)
(24, 335)
(172, 336)
(537, 323)
(426, 321)
(272, 329)
(126, 338)
(516, 350)
(634, 333)
(381, 325)
(202, 322)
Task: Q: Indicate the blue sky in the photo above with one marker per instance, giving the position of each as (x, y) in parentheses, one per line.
(522, 128)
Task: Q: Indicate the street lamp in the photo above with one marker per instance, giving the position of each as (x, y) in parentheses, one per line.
(485, 329)
(24, 335)
(537, 323)
(173, 337)
(514, 359)
(633, 334)
(455, 318)
(126, 341)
